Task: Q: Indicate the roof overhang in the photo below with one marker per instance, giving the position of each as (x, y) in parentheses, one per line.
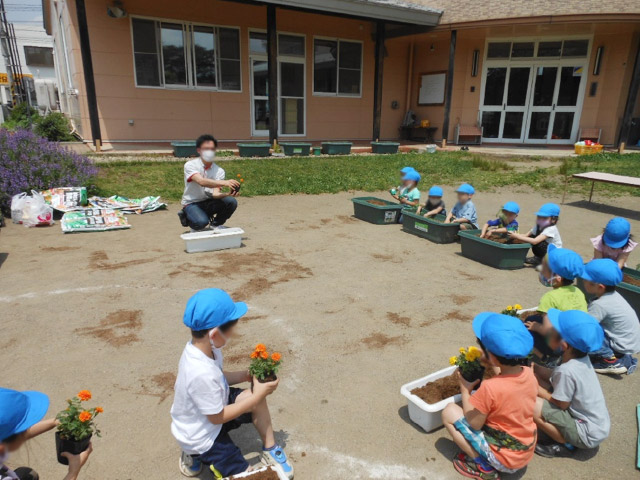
(395, 11)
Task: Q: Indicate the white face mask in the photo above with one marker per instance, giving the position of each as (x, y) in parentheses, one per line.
(208, 155)
(226, 341)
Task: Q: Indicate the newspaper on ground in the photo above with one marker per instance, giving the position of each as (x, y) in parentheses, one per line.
(128, 205)
(93, 220)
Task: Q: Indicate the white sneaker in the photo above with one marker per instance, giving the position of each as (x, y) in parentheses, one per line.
(190, 466)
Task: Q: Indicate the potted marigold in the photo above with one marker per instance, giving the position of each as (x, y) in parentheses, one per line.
(512, 310)
(76, 426)
(263, 366)
(468, 362)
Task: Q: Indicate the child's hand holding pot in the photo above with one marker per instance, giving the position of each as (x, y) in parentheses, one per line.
(464, 385)
(264, 389)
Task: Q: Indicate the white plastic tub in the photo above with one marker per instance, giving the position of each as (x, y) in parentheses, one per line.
(208, 241)
(428, 416)
(248, 475)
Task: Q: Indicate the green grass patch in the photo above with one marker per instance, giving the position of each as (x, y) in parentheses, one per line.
(313, 175)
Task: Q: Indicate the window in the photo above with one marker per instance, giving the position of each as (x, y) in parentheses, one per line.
(545, 49)
(39, 56)
(175, 54)
(337, 66)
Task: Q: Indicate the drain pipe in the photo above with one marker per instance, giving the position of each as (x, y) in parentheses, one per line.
(409, 76)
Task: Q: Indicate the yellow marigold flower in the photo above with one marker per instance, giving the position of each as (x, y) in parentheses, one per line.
(84, 416)
(517, 306)
(84, 395)
(453, 360)
(463, 350)
(509, 308)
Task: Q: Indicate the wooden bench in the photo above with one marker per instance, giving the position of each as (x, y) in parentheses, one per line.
(605, 178)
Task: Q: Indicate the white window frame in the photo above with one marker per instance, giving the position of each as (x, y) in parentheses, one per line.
(187, 29)
(313, 73)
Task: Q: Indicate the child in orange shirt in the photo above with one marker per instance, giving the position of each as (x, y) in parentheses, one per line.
(495, 427)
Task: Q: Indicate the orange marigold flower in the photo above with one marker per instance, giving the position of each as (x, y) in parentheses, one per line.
(276, 357)
(261, 347)
(99, 409)
(84, 416)
(241, 180)
(239, 176)
(264, 355)
(84, 395)
(255, 354)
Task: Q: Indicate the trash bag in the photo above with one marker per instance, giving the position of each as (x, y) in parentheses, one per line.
(17, 202)
(36, 212)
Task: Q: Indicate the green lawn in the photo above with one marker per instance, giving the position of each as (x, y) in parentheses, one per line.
(314, 175)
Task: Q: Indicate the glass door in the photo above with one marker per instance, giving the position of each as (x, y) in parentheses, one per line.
(259, 94)
(542, 103)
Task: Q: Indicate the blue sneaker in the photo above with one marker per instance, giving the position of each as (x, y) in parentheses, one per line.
(275, 456)
(190, 466)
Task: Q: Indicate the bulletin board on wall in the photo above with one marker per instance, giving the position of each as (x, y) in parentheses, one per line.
(431, 88)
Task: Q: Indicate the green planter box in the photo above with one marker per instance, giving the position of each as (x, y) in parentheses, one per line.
(317, 151)
(384, 147)
(430, 228)
(497, 255)
(386, 214)
(297, 149)
(186, 148)
(254, 149)
(336, 148)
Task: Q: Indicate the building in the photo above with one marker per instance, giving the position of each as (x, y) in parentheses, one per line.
(527, 71)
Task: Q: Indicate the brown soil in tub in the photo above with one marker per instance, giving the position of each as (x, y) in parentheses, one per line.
(377, 202)
(268, 474)
(445, 387)
(505, 240)
(631, 280)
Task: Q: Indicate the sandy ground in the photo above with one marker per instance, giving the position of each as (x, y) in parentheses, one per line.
(357, 310)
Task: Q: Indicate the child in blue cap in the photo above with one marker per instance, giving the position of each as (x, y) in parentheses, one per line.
(495, 427)
(545, 233)
(409, 194)
(615, 242)
(464, 212)
(505, 223)
(21, 418)
(618, 319)
(403, 171)
(574, 414)
(434, 205)
(206, 406)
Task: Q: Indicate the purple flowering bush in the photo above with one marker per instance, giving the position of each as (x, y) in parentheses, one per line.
(28, 162)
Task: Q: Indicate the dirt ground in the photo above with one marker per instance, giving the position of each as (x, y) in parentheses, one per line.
(357, 311)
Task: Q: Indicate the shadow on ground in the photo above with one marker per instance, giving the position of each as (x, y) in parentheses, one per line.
(608, 209)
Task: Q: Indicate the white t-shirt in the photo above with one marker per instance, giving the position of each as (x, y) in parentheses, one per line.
(552, 233)
(192, 191)
(200, 390)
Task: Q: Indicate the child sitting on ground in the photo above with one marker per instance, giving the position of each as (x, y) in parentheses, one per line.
(544, 233)
(494, 427)
(505, 223)
(464, 212)
(560, 268)
(616, 241)
(435, 205)
(205, 407)
(574, 414)
(618, 319)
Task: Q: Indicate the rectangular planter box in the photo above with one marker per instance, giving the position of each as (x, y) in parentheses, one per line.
(186, 148)
(430, 228)
(384, 147)
(336, 148)
(386, 214)
(631, 292)
(296, 149)
(254, 149)
(250, 475)
(427, 416)
(208, 241)
(497, 255)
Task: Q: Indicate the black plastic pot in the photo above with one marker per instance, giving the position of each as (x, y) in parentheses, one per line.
(71, 446)
(473, 376)
(269, 378)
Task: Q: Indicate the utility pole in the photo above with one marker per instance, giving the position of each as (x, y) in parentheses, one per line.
(9, 51)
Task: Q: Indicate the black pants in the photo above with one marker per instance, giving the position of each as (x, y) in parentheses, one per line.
(26, 473)
(216, 211)
(540, 250)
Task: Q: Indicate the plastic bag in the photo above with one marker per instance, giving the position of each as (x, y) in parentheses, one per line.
(36, 212)
(17, 202)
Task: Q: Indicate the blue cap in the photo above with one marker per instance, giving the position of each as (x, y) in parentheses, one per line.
(435, 191)
(549, 210)
(616, 233)
(211, 308)
(512, 207)
(406, 170)
(20, 410)
(412, 176)
(503, 335)
(577, 328)
(602, 270)
(466, 188)
(564, 262)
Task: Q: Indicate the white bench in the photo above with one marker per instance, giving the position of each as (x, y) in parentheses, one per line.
(606, 178)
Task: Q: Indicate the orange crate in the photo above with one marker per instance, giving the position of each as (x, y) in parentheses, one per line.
(588, 149)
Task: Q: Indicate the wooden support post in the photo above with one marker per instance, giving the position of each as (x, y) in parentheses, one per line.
(449, 87)
(593, 184)
(87, 67)
(630, 106)
(272, 69)
(377, 82)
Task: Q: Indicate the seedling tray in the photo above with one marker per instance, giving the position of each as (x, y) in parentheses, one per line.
(384, 147)
(386, 214)
(430, 228)
(497, 255)
(254, 149)
(296, 149)
(336, 148)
